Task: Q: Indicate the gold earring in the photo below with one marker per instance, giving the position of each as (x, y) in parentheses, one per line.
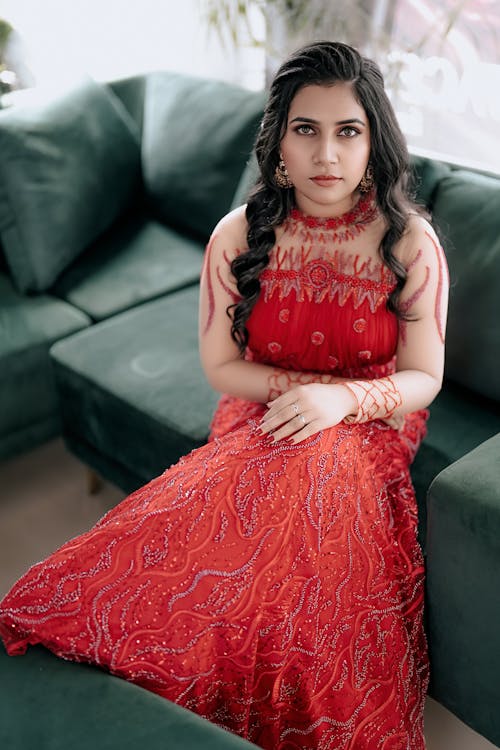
(367, 180)
(281, 175)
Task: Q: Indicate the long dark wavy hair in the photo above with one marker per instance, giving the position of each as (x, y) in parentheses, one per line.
(321, 63)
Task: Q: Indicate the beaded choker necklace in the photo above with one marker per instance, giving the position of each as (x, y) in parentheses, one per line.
(364, 211)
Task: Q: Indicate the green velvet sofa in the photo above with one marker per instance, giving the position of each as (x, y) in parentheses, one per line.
(117, 269)
(107, 197)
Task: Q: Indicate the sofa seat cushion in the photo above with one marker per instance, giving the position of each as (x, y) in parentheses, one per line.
(197, 136)
(459, 422)
(28, 401)
(135, 261)
(467, 211)
(46, 702)
(70, 165)
(132, 387)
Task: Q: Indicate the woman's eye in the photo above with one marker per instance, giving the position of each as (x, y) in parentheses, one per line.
(349, 131)
(304, 130)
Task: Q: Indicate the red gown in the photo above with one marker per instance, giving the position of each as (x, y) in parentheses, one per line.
(277, 590)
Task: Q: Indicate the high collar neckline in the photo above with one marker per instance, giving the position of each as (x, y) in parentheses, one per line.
(364, 211)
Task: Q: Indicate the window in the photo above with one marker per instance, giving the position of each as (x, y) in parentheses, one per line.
(444, 78)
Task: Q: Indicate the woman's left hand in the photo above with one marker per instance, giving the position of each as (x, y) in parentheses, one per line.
(305, 410)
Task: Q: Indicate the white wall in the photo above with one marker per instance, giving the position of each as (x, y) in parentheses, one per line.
(114, 38)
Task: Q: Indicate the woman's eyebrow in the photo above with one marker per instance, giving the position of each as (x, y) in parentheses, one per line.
(339, 122)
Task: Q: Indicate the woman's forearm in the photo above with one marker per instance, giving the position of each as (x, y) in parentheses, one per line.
(399, 394)
(254, 381)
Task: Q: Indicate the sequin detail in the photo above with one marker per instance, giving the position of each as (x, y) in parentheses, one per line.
(359, 325)
(317, 338)
(333, 362)
(274, 347)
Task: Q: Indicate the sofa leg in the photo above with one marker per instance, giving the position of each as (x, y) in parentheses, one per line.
(94, 481)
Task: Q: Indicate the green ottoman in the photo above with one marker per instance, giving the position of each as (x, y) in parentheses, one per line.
(133, 396)
(50, 704)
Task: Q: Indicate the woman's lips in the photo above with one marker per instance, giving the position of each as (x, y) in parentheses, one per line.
(325, 180)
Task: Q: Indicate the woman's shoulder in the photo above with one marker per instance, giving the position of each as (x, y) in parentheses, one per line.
(419, 238)
(230, 234)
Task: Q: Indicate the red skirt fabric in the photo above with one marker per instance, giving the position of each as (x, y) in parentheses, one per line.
(277, 590)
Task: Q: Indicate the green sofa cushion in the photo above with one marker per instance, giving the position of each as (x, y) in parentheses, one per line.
(50, 704)
(196, 140)
(467, 211)
(132, 386)
(135, 261)
(69, 166)
(28, 400)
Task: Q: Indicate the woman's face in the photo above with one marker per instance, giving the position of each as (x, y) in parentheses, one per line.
(326, 148)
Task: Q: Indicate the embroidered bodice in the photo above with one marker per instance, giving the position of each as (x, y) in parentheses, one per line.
(323, 297)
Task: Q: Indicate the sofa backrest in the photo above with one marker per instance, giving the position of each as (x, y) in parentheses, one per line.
(69, 166)
(197, 137)
(131, 91)
(467, 211)
(465, 207)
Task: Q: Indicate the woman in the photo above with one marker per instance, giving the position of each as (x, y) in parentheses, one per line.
(272, 580)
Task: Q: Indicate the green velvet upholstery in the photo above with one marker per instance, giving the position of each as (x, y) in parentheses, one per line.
(459, 421)
(131, 92)
(28, 401)
(463, 592)
(75, 217)
(138, 259)
(50, 704)
(426, 175)
(467, 210)
(69, 166)
(132, 387)
(246, 183)
(196, 141)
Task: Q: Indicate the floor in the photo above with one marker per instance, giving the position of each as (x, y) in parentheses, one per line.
(44, 501)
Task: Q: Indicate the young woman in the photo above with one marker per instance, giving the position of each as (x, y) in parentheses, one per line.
(272, 580)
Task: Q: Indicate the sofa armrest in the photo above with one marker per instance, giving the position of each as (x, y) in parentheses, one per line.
(463, 587)
(53, 704)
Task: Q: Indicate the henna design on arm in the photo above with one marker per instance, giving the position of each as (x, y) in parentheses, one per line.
(405, 306)
(210, 287)
(442, 274)
(377, 399)
(235, 297)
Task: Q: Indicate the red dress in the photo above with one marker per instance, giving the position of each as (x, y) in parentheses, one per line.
(277, 590)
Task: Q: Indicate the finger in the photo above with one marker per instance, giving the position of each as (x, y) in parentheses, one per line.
(287, 399)
(308, 431)
(286, 414)
(293, 425)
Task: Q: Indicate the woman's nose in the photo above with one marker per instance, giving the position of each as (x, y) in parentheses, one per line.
(326, 151)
